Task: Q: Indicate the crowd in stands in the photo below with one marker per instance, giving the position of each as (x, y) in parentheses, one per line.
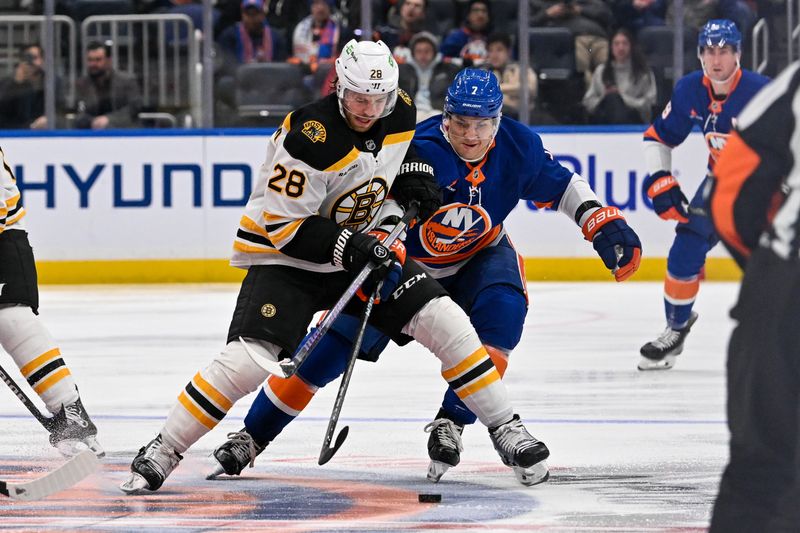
(611, 81)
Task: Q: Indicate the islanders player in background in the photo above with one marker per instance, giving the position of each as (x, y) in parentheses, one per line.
(485, 165)
(710, 99)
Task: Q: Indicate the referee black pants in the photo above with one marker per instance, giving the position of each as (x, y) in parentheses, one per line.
(759, 491)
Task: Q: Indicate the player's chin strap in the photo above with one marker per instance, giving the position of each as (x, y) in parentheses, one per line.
(729, 78)
(287, 367)
(489, 147)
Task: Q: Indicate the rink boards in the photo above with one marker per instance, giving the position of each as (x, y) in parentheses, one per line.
(150, 206)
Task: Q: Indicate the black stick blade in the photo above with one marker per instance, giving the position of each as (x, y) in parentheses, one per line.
(327, 453)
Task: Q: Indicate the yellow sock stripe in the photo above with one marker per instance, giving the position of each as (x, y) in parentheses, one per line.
(466, 364)
(40, 361)
(212, 393)
(195, 412)
(51, 380)
(475, 386)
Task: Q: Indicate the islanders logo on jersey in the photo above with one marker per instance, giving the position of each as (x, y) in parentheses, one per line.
(716, 142)
(454, 228)
(355, 208)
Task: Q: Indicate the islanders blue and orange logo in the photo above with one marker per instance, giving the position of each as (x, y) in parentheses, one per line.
(454, 229)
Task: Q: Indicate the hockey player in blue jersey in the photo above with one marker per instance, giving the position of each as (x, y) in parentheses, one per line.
(710, 99)
(485, 165)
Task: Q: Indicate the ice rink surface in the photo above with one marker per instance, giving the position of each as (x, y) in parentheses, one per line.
(630, 451)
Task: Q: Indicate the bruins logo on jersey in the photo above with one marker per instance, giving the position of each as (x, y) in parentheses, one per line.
(315, 131)
(404, 96)
(356, 208)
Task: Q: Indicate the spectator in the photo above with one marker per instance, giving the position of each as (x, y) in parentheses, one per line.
(405, 20)
(509, 73)
(588, 20)
(637, 14)
(316, 37)
(469, 41)
(22, 93)
(285, 14)
(106, 98)
(425, 57)
(623, 89)
(252, 40)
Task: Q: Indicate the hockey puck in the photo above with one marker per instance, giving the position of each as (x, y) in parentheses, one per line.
(429, 498)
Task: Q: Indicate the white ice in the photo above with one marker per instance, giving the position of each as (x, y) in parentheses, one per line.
(631, 451)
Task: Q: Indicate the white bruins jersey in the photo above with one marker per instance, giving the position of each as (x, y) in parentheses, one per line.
(11, 210)
(317, 165)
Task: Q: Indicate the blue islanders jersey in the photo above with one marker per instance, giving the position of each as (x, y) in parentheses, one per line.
(479, 196)
(693, 104)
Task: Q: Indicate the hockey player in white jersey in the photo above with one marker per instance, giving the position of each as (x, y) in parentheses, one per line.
(331, 184)
(23, 335)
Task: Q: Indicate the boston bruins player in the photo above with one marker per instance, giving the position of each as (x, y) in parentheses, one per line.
(308, 227)
(23, 335)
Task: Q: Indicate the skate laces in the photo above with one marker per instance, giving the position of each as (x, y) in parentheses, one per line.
(243, 447)
(667, 339)
(513, 437)
(162, 455)
(446, 432)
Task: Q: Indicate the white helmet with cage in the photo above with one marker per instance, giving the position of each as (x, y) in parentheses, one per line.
(367, 70)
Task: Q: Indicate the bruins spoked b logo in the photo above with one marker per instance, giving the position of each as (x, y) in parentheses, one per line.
(355, 208)
(268, 310)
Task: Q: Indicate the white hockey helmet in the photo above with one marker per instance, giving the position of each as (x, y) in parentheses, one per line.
(367, 68)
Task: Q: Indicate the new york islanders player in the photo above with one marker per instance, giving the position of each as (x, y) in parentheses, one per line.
(23, 335)
(307, 228)
(486, 165)
(710, 99)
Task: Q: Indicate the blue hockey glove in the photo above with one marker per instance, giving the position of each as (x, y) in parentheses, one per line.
(614, 241)
(669, 201)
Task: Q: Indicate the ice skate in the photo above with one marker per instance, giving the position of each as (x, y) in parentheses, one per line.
(522, 452)
(73, 431)
(151, 466)
(233, 455)
(444, 445)
(660, 354)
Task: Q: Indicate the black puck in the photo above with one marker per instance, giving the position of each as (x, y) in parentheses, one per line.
(429, 498)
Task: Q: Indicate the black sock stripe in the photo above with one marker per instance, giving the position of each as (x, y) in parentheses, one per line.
(203, 402)
(37, 376)
(475, 373)
(252, 237)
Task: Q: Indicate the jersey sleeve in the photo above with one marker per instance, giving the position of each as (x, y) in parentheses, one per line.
(752, 167)
(548, 179)
(674, 123)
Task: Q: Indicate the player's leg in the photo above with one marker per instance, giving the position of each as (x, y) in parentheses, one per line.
(291, 297)
(280, 400)
(759, 487)
(33, 349)
(685, 261)
(438, 323)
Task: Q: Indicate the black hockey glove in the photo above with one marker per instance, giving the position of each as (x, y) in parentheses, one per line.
(352, 251)
(415, 181)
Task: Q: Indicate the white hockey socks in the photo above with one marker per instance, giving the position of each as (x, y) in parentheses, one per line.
(211, 393)
(33, 349)
(443, 327)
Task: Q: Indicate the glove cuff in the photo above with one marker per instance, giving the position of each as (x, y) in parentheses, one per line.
(339, 245)
(659, 183)
(598, 219)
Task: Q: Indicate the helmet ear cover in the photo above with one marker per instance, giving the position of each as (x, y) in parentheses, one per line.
(367, 68)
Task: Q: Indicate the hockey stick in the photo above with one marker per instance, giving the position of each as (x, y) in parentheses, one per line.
(62, 478)
(287, 367)
(327, 451)
(43, 420)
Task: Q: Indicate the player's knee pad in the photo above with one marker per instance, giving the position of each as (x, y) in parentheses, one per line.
(688, 254)
(328, 359)
(444, 328)
(37, 355)
(498, 314)
(234, 373)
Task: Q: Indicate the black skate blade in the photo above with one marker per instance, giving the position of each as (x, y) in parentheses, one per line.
(326, 454)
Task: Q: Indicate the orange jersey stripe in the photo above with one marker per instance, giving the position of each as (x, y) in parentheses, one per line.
(652, 135)
(293, 392)
(40, 361)
(736, 163)
(212, 393)
(499, 358)
(51, 380)
(194, 411)
(473, 359)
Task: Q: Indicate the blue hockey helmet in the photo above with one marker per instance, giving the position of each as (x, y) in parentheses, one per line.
(474, 93)
(719, 32)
